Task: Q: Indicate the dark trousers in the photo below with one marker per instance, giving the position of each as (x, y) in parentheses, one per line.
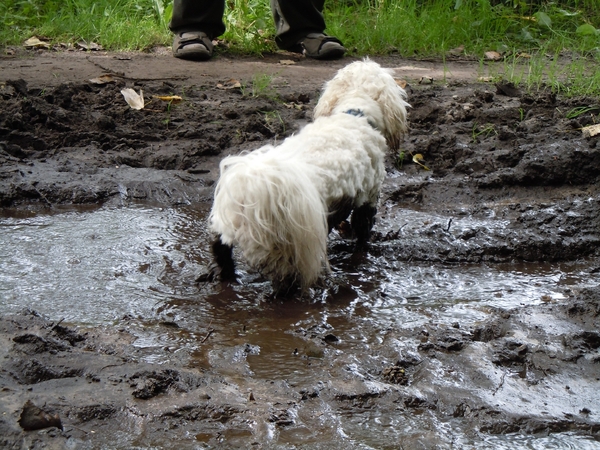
(294, 19)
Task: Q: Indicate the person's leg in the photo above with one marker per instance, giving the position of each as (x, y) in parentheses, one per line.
(300, 26)
(195, 23)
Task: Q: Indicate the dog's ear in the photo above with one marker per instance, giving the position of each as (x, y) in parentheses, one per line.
(330, 96)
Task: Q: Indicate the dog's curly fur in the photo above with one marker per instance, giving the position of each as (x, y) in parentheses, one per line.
(278, 204)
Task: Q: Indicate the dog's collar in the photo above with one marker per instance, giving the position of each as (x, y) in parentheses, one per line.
(355, 112)
(359, 113)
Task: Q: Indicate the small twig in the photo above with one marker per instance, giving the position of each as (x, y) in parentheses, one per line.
(111, 365)
(78, 429)
(125, 77)
(42, 196)
(501, 383)
(58, 323)
(210, 331)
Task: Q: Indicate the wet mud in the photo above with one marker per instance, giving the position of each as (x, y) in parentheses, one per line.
(513, 186)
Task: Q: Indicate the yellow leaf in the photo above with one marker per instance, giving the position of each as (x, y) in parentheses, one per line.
(401, 83)
(34, 42)
(169, 98)
(417, 159)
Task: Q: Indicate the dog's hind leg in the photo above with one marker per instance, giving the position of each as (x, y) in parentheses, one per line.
(339, 211)
(362, 221)
(223, 267)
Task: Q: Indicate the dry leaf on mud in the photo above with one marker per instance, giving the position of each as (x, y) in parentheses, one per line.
(231, 84)
(493, 56)
(417, 159)
(402, 83)
(89, 46)
(457, 51)
(169, 98)
(133, 99)
(103, 79)
(507, 88)
(293, 105)
(34, 42)
(591, 130)
(34, 418)
(287, 62)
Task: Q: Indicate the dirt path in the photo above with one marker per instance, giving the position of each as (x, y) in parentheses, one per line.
(515, 161)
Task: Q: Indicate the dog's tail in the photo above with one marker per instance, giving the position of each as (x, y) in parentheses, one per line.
(271, 208)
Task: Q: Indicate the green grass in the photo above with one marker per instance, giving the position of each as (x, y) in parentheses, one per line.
(551, 32)
(116, 25)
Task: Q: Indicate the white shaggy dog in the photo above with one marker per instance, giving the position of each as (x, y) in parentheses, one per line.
(278, 204)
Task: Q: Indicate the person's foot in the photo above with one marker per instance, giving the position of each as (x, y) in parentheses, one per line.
(321, 46)
(194, 45)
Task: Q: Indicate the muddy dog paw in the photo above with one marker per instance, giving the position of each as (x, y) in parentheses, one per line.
(223, 268)
(216, 273)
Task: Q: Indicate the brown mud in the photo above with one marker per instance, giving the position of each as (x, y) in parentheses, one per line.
(515, 161)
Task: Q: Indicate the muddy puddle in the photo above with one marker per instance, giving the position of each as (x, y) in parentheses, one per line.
(384, 354)
(472, 321)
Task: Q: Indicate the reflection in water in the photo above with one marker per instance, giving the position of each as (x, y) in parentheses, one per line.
(139, 265)
(93, 268)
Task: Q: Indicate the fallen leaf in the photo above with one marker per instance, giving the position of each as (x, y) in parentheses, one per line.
(34, 42)
(591, 130)
(457, 51)
(287, 62)
(507, 88)
(493, 56)
(35, 418)
(417, 159)
(133, 99)
(231, 84)
(293, 106)
(103, 79)
(20, 86)
(402, 83)
(169, 98)
(89, 46)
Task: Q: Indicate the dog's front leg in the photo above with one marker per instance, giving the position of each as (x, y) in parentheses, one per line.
(223, 267)
(224, 258)
(362, 221)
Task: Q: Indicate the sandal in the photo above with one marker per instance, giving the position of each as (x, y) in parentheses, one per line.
(321, 46)
(194, 45)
